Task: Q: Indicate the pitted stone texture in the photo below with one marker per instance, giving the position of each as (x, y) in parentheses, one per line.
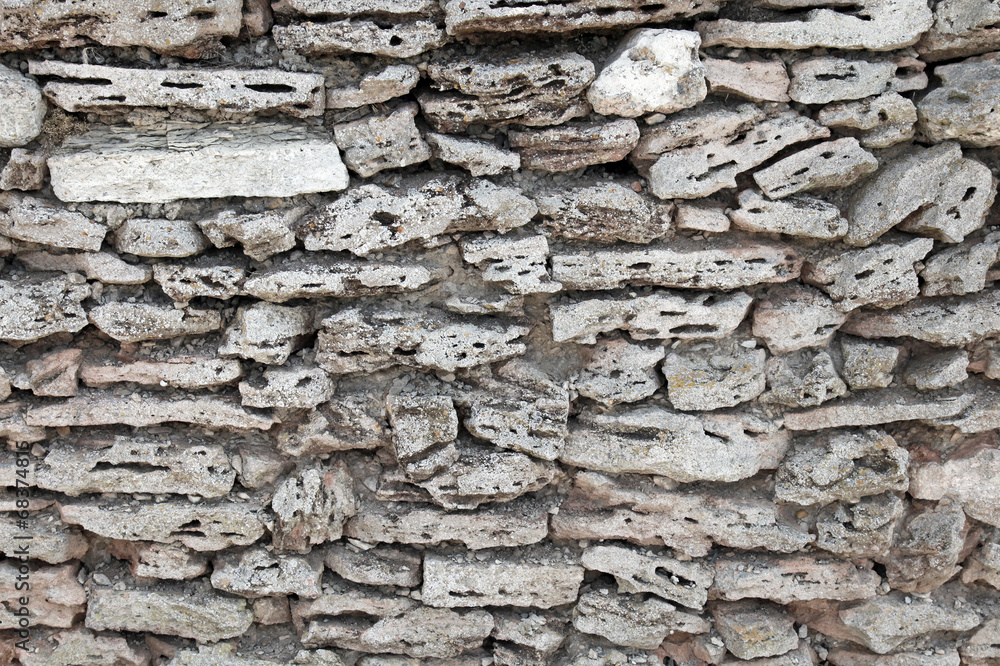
(266, 333)
(983, 643)
(423, 429)
(802, 380)
(826, 166)
(170, 611)
(322, 278)
(312, 506)
(962, 107)
(97, 88)
(947, 320)
(371, 218)
(933, 192)
(928, 547)
(604, 212)
(134, 322)
(499, 87)
(137, 465)
(961, 269)
(787, 578)
(202, 527)
(36, 306)
(620, 371)
(256, 572)
(519, 265)
(35, 220)
(638, 572)
(710, 375)
(372, 87)
(58, 601)
(24, 171)
(53, 540)
(937, 371)
(575, 145)
(879, 407)
(864, 529)
(358, 35)
(481, 474)
(22, 108)
(352, 419)
(161, 561)
(540, 577)
(428, 632)
(796, 317)
(651, 71)
(829, 79)
(218, 276)
(542, 633)
(702, 216)
(961, 28)
(168, 162)
(884, 25)
(260, 234)
(880, 122)
(964, 475)
(867, 364)
(297, 387)
(753, 629)
(101, 266)
(53, 374)
(373, 337)
(984, 563)
(795, 216)
(653, 440)
(757, 80)
(81, 647)
(477, 156)
(881, 276)
(632, 620)
(662, 314)
(382, 141)
(841, 466)
(382, 565)
(722, 265)
(159, 238)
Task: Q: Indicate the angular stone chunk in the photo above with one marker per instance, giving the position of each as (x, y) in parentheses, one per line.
(22, 108)
(620, 371)
(883, 25)
(53, 374)
(652, 70)
(962, 107)
(632, 620)
(795, 216)
(878, 407)
(882, 121)
(965, 475)
(933, 191)
(983, 643)
(182, 29)
(134, 322)
(825, 166)
(715, 161)
(948, 320)
(36, 220)
(101, 266)
(54, 541)
(961, 269)
(638, 572)
(171, 611)
(867, 364)
(984, 563)
(96, 88)
(429, 632)
(371, 218)
(36, 306)
(161, 561)
(372, 337)
(519, 265)
(372, 87)
(423, 426)
(864, 529)
(802, 380)
(300, 387)
(382, 141)
(787, 578)
(794, 317)
(78, 647)
(340, 278)
(266, 333)
(758, 80)
(575, 145)
(482, 474)
(498, 86)
(352, 419)
(938, 371)
(881, 276)
(381, 565)
(256, 572)
(477, 156)
(517, 523)
(171, 161)
(260, 234)
(663, 315)
(58, 599)
(753, 629)
(24, 171)
(722, 265)
(312, 506)
(604, 212)
(540, 577)
(202, 527)
(928, 547)
(137, 465)
(710, 375)
(829, 79)
(359, 35)
(159, 238)
(702, 217)
(215, 276)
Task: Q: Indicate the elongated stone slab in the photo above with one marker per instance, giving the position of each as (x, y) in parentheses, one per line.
(876, 407)
(321, 279)
(173, 611)
(36, 220)
(180, 160)
(134, 322)
(107, 409)
(947, 320)
(35, 307)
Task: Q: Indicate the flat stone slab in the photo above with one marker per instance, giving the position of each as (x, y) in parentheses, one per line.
(173, 612)
(99, 408)
(794, 577)
(36, 306)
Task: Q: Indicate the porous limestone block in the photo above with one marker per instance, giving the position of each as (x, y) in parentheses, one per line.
(256, 572)
(311, 507)
(937, 371)
(757, 80)
(829, 79)
(793, 317)
(170, 610)
(631, 620)
(519, 265)
(881, 121)
(795, 216)
(862, 529)
(964, 475)
(575, 145)
(871, 408)
(76, 647)
(260, 234)
(962, 108)
(420, 424)
(946, 320)
(961, 269)
(399, 566)
(477, 156)
(325, 277)
(159, 238)
(826, 166)
(699, 216)
(297, 387)
(100, 408)
(58, 601)
(211, 276)
(53, 540)
(162, 561)
(22, 108)
(802, 380)
(372, 87)
(401, 39)
(603, 212)
(24, 170)
(101, 266)
(266, 333)
(794, 577)
(482, 474)
(752, 629)
(709, 375)
(640, 571)
(135, 322)
(382, 141)
(36, 220)
(620, 371)
(36, 306)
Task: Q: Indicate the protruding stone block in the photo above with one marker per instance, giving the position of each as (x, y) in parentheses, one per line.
(519, 265)
(575, 145)
(312, 507)
(36, 306)
(826, 166)
(604, 212)
(962, 107)
(36, 220)
(22, 108)
(709, 375)
(382, 141)
(881, 121)
(171, 611)
(829, 79)
(795, 216)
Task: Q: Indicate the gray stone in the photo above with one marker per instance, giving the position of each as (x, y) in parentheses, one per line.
(477, 156)
(36, 306)
(651, 71)
(358, 35)
(879, 407)
(794, 317)
(382, 141)
(311, 507)
(881, 624)
(961, 108)
(298, 387)
(947, 320)
(932, 191)
(260, 234)
(802, 380)
(217, 276)
(702, 216)
(35, 220)
(862, 529)
(573, 146)
(795, 216)
(631, 620)
(82, 647)
(159, 238)
(482, 474)
(101, 266)
(929, 544)
(620, 371)
(787, 578)
(170, 610)
(21, 105)
(753, 629)
(321, 278)
(961, 269)
(256, 572)
(882, 276)
(604, 212)
(868, 365)
(539, 576)
(710, 375)
(382, 565)
(352, 419)
(938, 371)
(638, 572)
(423, 426)
(964, 475)
(826, 166)
(98, 88)
(134, 322)
(519, 265)
(372, 87)
(169, 161)
(757, 80)
(160, 561)
(371, 218)
(662, 314)
(542, 632)
(428, 632)
(266, 333)
(52, 540)
(830, 79)
(881, 121)
(884, 26)
(24, 171)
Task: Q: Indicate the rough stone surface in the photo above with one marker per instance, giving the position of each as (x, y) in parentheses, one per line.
(711, 375)
(266, 333)
(961, 108)
(827, 79)
(478, 157)
(787, 578)
(752, 630)
(22, 107)
(947, 320)
(206, 616)
(380, 142)
(758, 80)
(826, 166)
(35, 220)
(603, 213)
(880, 121)
(631, 620)
(575, 145)
(134, 322)
(638, 572)
(795, 216)
(37, 306)
(312, 506)
(796, 317)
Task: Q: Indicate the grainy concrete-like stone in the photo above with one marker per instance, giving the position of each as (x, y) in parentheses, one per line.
(575, 145)
(757, 80)
(382, 141)
(802, 380)
(638, 572)
(881, 121)
(879, 407)
(255, 572)
(22, 108)
(312, 506)
(99, 408)
(787, 578)
(24, 171)
(947, 320)
(962, 107)
(710, 375)
(36, 306)
(266, 333)
(963, 475)
(205, 616)
(753, 629)
(868, 364)
(631, 620)
(604, 212)
(159, 238)
(260, 234)
(381, 565)
(134, 322)
(36, 220)
(794, 216)
(795, 317)
(79, 647)
(826, 166)
(297, 387)
(331, 277)
(519, 265)
(478, 157)
(829, 79)
(961, 269)
(402, 40)
(372, 87)
(620, 371)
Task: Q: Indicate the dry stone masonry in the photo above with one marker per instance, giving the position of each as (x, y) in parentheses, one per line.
(510, 332)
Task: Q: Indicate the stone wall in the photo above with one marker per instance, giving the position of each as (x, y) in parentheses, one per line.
(513, 332)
